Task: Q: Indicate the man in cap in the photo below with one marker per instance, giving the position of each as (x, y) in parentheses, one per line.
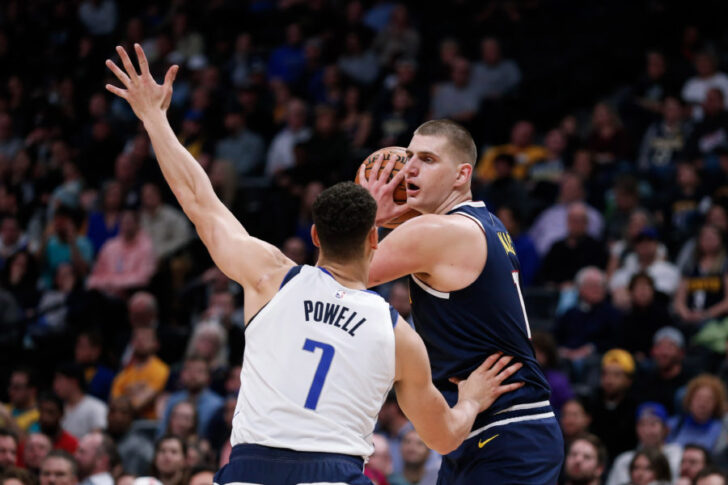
(651, 431)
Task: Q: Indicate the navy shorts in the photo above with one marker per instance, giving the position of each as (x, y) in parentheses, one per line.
(261, 465)
(518, 453)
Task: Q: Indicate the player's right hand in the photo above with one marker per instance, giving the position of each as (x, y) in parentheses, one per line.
(485, 384)
(142, 92)
(383, 191)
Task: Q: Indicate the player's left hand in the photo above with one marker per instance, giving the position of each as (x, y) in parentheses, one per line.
(485, 384)
(383, 190)
(142, 92)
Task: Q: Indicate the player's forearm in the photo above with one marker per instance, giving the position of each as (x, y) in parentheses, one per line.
(461, 420)
(185, 176)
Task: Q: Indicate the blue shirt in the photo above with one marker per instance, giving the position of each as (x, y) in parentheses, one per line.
(685, 430)
(208, 403)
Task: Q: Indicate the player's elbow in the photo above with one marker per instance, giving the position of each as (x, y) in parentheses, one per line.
(443, 444)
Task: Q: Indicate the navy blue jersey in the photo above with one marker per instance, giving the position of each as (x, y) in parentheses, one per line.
(462, 328)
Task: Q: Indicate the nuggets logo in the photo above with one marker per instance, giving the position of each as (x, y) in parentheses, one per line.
(507, 242)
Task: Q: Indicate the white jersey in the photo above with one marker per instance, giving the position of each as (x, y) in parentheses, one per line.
(318, 364)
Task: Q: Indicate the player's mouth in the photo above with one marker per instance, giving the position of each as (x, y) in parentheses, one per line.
(412, 189)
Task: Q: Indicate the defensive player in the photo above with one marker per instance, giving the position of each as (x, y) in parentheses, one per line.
(320, 353)
(466, 303)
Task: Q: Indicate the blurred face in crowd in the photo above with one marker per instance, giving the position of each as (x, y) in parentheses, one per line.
(702, 405)
(8, 451)
(142, 312)
(666, 354)
(717, 215)
(705, 65)
(195, 375)
(655, 65)
(399, 299)
(9, 231)
(414, 451)
(207, 342)
(646, 250)
(129, 226)
(574, 419)
(87, 453)
(86, 352)
(571, 189)
(490, 51)
(64, 386)
(710, 240)
(144, 342)
(555, 142)
(522, 134)
(21, 394)
(577, 221)
(325, 121)
(714, 102)
(672, 110)
(182, 420)
(651, 431)
(37, 446)
(296, 116)
(641, 472)
(169, 457)
(592, 289)
(692, 462)
(642, 293)
(65, 278)
(712, 479)
(151, 197)
(582, 464)
(57, 471)
(460, 73)
(381, 460)
(614, 380)
(295, 249)
(120, 416)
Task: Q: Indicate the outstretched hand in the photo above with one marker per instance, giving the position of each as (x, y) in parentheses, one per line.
(383, 190)
(485, 384)
(144, 95)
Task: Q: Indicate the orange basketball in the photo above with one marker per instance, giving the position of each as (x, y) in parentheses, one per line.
(399, 195)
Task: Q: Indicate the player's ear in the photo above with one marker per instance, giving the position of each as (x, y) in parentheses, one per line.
(465, 171)
(373, 238)
(314, 236)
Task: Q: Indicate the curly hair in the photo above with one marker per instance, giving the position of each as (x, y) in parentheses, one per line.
(715, 385)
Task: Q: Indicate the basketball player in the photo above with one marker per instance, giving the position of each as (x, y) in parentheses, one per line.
(466, 303)
(320, 353)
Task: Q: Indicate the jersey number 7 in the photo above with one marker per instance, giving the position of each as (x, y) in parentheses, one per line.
(327, 355)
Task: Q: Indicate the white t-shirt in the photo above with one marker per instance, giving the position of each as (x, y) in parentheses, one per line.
(88, 415)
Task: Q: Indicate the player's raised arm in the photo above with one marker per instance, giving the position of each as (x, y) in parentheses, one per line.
(241, 257)
(441, 427)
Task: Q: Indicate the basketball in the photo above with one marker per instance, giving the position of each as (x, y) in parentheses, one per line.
(399, 195)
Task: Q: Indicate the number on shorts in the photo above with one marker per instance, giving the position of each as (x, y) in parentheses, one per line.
(516, 282)
(327, 355)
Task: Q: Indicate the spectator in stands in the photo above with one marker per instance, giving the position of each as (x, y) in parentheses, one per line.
(326, 152)
(96, 457)
(663, 273)
(88, 349)
(663, 141)
(379, 466)
(544, 345)
(393, 127)
(494, 76)
(622, 252)
(574, 420)
(195, 378)
(589, 327)
(398, 39)
(546, 172)
(126, 262)
(35, 448)
(458, 98)
(51, 413)
(8, 449)
(520, 146)
(135, 448)
(242, 147)
(280, 153)
(613, 407)
(414, 459)
(504, 188)
(22, 391)
(586, 461)
(287, 61)
(358, 61)
(168, 464)
(717, 216)
(695, 91)
(703, 291)
(12, 238)
(649, 466)
(59, 468)
(10, 144)
(577, 250)
(66, 245)
(646, 315)
(82, 413)
(528, 257)
(145, 375)
(607, 140)
(551, 225)
(15, 476)
(711, 476)
(652, 431)
(20, 277)
(709, 134)
(626, 202)
(167, 227)
(704, 407)
(103, 224)
(399, 299)
(683, 205)
(182, 422)
(695, 458)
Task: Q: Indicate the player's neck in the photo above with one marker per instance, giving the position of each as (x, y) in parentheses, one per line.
(351, 275)
(453, 199)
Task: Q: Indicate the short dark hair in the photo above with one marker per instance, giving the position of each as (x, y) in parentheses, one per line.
(458, 137)
(711, 470)
(23, 476)
(93, 335)
(52, 397)
(64, 455)
(72, 371)
(596, 443)
(8, 433)
(658, 463)
(344, 214)
(30, 374)
(702, 449)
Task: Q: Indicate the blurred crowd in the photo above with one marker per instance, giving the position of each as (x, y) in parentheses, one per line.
(603, 140)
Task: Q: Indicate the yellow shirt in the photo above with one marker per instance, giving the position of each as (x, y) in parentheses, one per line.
(525, 157)
(153, 373)
(26, 420)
